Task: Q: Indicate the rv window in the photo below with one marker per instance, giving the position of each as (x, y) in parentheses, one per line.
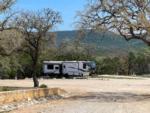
(56, 67)
(50, 66)
(84, 66)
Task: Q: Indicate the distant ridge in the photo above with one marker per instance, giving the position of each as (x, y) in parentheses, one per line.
(106, 43)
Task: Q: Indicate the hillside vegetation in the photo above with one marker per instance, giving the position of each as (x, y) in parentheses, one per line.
(105, 43)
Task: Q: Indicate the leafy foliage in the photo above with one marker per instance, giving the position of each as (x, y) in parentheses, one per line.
(43, 86)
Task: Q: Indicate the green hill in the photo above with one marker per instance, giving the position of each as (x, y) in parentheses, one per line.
(105, 43)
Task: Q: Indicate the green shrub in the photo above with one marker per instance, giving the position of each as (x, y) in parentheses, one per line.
(43, 86)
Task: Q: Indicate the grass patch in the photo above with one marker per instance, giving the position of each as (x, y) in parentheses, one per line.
(6, 88)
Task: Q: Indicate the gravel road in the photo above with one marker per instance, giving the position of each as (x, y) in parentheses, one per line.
(93, 96)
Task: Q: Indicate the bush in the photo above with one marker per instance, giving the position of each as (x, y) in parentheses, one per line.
(4, 77)
(5, 89)
(108, 66)
(43, 86)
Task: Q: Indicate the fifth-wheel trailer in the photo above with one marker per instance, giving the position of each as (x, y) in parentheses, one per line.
(68, 68)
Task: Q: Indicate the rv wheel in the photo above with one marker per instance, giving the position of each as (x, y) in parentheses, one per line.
(66, 76)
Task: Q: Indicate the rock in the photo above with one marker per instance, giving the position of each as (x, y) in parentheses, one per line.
(13, 106)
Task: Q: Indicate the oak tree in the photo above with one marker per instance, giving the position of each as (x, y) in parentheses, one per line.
(34, 27)
(129, 18)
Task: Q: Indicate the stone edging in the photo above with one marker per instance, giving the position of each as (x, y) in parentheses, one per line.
(27, 95)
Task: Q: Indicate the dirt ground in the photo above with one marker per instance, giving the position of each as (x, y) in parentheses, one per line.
(92, 96)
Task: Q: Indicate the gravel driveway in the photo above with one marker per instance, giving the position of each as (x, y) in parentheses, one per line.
(93, 96)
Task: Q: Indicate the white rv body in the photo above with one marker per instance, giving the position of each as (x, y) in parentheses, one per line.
(66, 68)
(76, 68)
(51, 67)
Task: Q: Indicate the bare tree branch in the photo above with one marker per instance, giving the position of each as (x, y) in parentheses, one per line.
(129, 18)
(6, 4)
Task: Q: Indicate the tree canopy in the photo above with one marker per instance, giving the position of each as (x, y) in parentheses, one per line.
(129, 18)
(34, 27)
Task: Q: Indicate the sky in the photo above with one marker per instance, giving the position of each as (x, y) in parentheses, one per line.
(67, 8)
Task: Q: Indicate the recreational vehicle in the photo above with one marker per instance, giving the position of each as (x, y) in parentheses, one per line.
(68, 68)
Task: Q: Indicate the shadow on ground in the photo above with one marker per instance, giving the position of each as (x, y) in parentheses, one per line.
(111, 97)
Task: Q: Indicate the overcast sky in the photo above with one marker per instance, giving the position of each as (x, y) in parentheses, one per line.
(67, 8)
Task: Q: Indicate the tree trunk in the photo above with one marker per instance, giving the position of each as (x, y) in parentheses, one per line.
(35, 80)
